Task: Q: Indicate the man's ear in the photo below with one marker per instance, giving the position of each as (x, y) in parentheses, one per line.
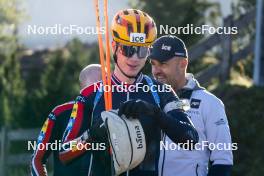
(184, 63)
(187, 62)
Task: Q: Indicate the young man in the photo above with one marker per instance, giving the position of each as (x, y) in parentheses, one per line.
(54, 128)
(169, 60)
(133, 32)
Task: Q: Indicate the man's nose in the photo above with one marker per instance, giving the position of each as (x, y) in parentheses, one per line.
(134, 57)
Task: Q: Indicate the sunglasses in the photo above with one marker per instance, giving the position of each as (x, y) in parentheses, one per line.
(129, 51)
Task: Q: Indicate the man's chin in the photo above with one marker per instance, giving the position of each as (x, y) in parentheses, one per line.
(162, 81)
(133, 73)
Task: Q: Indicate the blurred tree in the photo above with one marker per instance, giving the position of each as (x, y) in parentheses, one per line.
(245, 36)
(244, 111)
(12, 90)
(10, 16)
(242, 6)
(58, 83)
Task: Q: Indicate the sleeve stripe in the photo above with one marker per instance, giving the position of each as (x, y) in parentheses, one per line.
(37, 159)
(90, 89)
(62, 108)
(78, 118)
(75, 123)
(36, 167)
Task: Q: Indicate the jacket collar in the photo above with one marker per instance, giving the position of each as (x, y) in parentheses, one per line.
(116, 81)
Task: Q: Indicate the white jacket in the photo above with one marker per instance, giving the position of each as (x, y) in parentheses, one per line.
(207, 113)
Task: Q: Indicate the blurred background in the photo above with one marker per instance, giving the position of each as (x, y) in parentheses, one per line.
(38, 72)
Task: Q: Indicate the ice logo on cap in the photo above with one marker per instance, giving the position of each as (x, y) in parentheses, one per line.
(137, 37)
(165, 47)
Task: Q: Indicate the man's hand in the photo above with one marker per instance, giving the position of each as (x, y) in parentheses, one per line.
(134, 108)
(98, 131)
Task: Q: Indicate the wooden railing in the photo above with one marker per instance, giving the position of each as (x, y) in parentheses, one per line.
(7, 137)
(228, 58)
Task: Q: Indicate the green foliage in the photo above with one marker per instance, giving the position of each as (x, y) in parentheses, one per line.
(245, 36)
(243, 6)
(12, 90)
(244, 67)
(11, 85)
(58, 82)
(244, 107)
(10, 16)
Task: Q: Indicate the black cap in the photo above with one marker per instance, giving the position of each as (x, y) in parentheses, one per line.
(167, 47)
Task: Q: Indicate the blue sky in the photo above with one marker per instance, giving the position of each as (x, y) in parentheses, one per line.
(68, 12)
(64, 12)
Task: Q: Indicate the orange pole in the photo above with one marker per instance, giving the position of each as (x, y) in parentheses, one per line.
(101, 53)
(108, 62)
